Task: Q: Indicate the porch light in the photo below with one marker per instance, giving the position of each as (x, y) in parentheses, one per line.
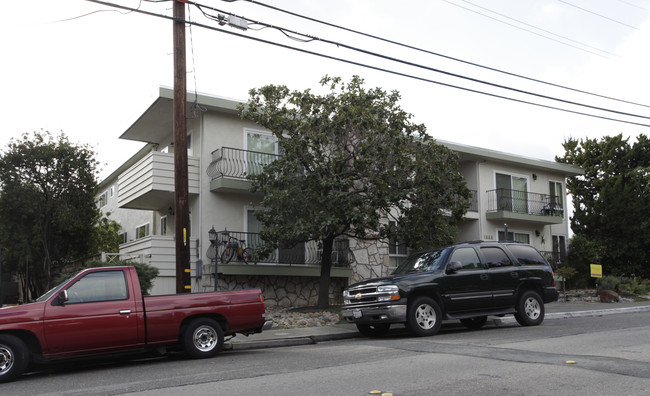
(212, 235)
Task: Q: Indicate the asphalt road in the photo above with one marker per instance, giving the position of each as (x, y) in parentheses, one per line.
(608, 355)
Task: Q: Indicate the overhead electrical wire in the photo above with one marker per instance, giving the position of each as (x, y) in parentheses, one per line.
(529, 25)
(368, 66)
(598, 15)
(308, 38)
(437, 54)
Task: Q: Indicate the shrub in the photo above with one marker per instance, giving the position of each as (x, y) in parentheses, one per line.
(609, 282)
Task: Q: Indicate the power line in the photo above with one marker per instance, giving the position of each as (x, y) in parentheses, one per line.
(308, 38)
(370, 66)
(597, 14)
(529, 25)
(436, 54)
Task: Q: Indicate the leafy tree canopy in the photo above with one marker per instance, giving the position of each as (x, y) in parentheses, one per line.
(47, 205)
(352, 159)
(612, 200)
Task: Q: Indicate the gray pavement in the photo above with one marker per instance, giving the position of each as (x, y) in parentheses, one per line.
(311, 335)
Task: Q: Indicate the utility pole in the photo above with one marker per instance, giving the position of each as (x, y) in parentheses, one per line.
(181, 189)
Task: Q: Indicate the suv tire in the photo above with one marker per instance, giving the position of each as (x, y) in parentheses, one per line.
(530, 309)
(424, 317)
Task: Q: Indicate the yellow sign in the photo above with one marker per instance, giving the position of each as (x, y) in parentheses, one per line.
(596, 270)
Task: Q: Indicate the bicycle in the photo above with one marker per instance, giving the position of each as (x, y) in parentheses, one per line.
(236, 248)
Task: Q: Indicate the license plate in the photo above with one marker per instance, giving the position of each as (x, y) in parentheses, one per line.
(357, 313)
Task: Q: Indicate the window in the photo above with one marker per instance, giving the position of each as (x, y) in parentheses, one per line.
(163, 225)
(295, 254)
(556, 199)
(559, 249)
(123, 238)
(103, 199)
(142, 231)
(467, 257)
(495, 257)
(397, 251)
(111, 191)
(527, 255)
(514, 236)
(99, 286)
(261, 149)
(512, 193)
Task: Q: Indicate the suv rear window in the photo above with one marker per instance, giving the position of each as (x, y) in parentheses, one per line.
(527, 255)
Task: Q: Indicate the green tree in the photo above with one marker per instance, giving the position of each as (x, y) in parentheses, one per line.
(47, 205)
(352, 159)
(107, 236)
(612, 200)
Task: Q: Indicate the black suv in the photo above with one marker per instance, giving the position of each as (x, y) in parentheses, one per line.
(468, 281)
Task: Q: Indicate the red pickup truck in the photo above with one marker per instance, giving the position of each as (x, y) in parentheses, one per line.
(103, 310)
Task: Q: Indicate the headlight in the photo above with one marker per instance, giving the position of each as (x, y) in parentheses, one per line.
(391, 290)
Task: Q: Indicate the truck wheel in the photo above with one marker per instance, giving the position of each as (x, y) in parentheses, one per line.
(14, 357)
(530, 309)
(474, 323)
(373, 330)
(202, 338)
(424, 317)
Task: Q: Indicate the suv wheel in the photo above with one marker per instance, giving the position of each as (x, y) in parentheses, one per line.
(530, 309)
(424, 317)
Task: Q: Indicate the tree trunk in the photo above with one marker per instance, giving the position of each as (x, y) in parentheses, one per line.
(325, 267)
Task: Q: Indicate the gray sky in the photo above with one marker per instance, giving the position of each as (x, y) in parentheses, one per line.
(67, 67)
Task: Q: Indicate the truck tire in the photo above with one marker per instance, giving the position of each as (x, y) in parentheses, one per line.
(202, 338)
(14, 357)
(423, 317)
(530, 309)
(373, 330)
(474, 323)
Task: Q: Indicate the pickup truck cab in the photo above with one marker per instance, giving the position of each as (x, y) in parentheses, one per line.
(468, 282)
(103, 310)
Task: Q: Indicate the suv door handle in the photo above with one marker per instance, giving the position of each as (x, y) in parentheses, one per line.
(484, 277)
(514, 274)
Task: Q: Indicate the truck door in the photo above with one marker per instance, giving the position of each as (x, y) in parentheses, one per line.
(99, 315)
(468, 289)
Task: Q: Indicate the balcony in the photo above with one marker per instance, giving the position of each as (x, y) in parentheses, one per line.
(149, 184)
(506, 205)
(304, 259)
(230, 168)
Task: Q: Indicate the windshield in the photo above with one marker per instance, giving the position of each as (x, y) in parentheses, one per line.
(55, 289)
(423, 261)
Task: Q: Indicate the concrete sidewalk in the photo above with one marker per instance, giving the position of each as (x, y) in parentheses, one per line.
(311, 335)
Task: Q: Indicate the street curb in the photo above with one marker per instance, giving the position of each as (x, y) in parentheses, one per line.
(290, 341)
(580, 314)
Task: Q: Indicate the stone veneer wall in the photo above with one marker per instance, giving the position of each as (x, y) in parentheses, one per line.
(370, 261)
(282, 291)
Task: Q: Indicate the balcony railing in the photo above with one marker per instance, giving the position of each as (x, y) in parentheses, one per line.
(507, 200)
(237, 163)
(302, 254)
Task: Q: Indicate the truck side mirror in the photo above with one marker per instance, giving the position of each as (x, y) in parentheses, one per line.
(454, 267)
(63, 296)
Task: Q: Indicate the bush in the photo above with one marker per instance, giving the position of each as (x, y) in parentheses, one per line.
(634, 286)
(609, 282)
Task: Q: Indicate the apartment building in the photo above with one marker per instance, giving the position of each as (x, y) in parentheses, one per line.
(515, 198)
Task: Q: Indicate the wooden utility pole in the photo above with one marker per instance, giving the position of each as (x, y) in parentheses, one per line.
(181, 189)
